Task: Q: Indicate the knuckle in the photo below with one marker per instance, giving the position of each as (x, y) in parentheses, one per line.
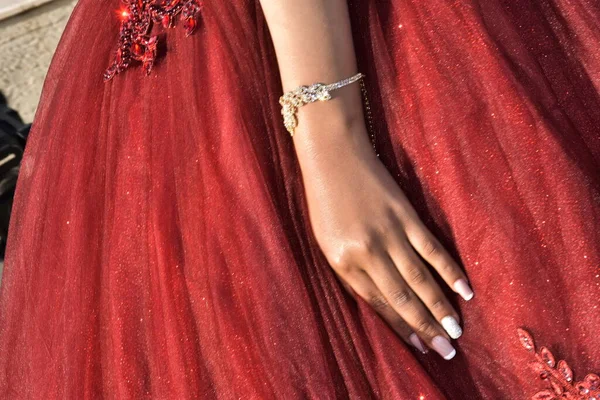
(378, 302)
(338, 261)
(367, 245)
(391, 224)
(430, 248)
(448, 267)
(426, 327)
(341, 262)
(401, 296)
(404, 210)
(438, 305)
(416, 275)
(343, 269)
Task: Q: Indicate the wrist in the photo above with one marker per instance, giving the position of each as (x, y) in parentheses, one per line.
(323, 117)
(340, 115)
(331, 137)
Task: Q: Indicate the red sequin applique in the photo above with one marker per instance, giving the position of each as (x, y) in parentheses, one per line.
(137, 18)
(558, 375)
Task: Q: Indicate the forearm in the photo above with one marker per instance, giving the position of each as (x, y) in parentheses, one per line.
(313, 43)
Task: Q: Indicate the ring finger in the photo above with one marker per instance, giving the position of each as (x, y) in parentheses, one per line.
(408, 305)
(421, 281)
(361, 284)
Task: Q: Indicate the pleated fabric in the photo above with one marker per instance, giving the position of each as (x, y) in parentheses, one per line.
(160, 245)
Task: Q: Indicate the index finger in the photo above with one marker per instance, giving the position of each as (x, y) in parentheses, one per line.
(432, 251)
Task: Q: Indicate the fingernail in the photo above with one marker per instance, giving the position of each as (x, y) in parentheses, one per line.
(443, 347)
(462, 287)
(414, 339)
(451, 326)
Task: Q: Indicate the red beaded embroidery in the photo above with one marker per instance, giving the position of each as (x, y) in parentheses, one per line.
(137, 17)
(558, 375)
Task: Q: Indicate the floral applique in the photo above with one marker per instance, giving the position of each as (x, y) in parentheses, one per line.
(558, 375)
(137, 18)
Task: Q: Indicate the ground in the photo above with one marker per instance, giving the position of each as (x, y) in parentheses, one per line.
(27, 43)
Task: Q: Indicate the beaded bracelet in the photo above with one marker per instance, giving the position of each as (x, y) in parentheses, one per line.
(303, 95)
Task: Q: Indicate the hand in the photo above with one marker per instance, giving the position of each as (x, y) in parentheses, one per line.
(372, 236)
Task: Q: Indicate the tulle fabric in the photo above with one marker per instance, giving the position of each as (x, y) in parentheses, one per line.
(160, 245)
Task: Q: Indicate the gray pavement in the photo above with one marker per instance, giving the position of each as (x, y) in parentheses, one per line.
(27, 43)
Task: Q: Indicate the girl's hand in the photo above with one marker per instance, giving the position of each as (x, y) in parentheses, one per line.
(372, 236)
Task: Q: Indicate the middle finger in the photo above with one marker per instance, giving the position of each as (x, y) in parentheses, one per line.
(421, 281)
(408, 305)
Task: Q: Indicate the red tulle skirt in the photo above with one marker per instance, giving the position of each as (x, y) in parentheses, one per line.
(160, 245)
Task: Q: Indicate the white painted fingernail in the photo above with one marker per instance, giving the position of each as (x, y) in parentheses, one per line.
(414, 339)
(462, 287)
(443, 347)
(451, 326)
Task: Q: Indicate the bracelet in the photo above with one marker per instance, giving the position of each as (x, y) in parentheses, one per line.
(302, 95)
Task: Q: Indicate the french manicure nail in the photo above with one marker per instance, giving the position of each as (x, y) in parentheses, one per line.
(414, 339)
(443, 347)
(451, 326)
(462, 287)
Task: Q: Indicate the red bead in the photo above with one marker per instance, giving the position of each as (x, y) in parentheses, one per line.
(166, 21)
(137, 50)
(189, 25)
(119, 56)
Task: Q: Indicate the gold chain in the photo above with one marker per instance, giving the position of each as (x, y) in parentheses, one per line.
(368, 114)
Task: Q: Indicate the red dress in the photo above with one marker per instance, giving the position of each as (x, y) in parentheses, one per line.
(160, 245)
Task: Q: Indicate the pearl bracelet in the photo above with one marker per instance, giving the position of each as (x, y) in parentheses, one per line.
(302, 95)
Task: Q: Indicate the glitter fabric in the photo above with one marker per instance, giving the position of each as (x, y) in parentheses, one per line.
(160, 245)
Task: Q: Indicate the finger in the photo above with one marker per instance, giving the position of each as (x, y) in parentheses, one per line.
(408, 305)
(423, 284)
(347, 287)
(432, 251)
(364, 287)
